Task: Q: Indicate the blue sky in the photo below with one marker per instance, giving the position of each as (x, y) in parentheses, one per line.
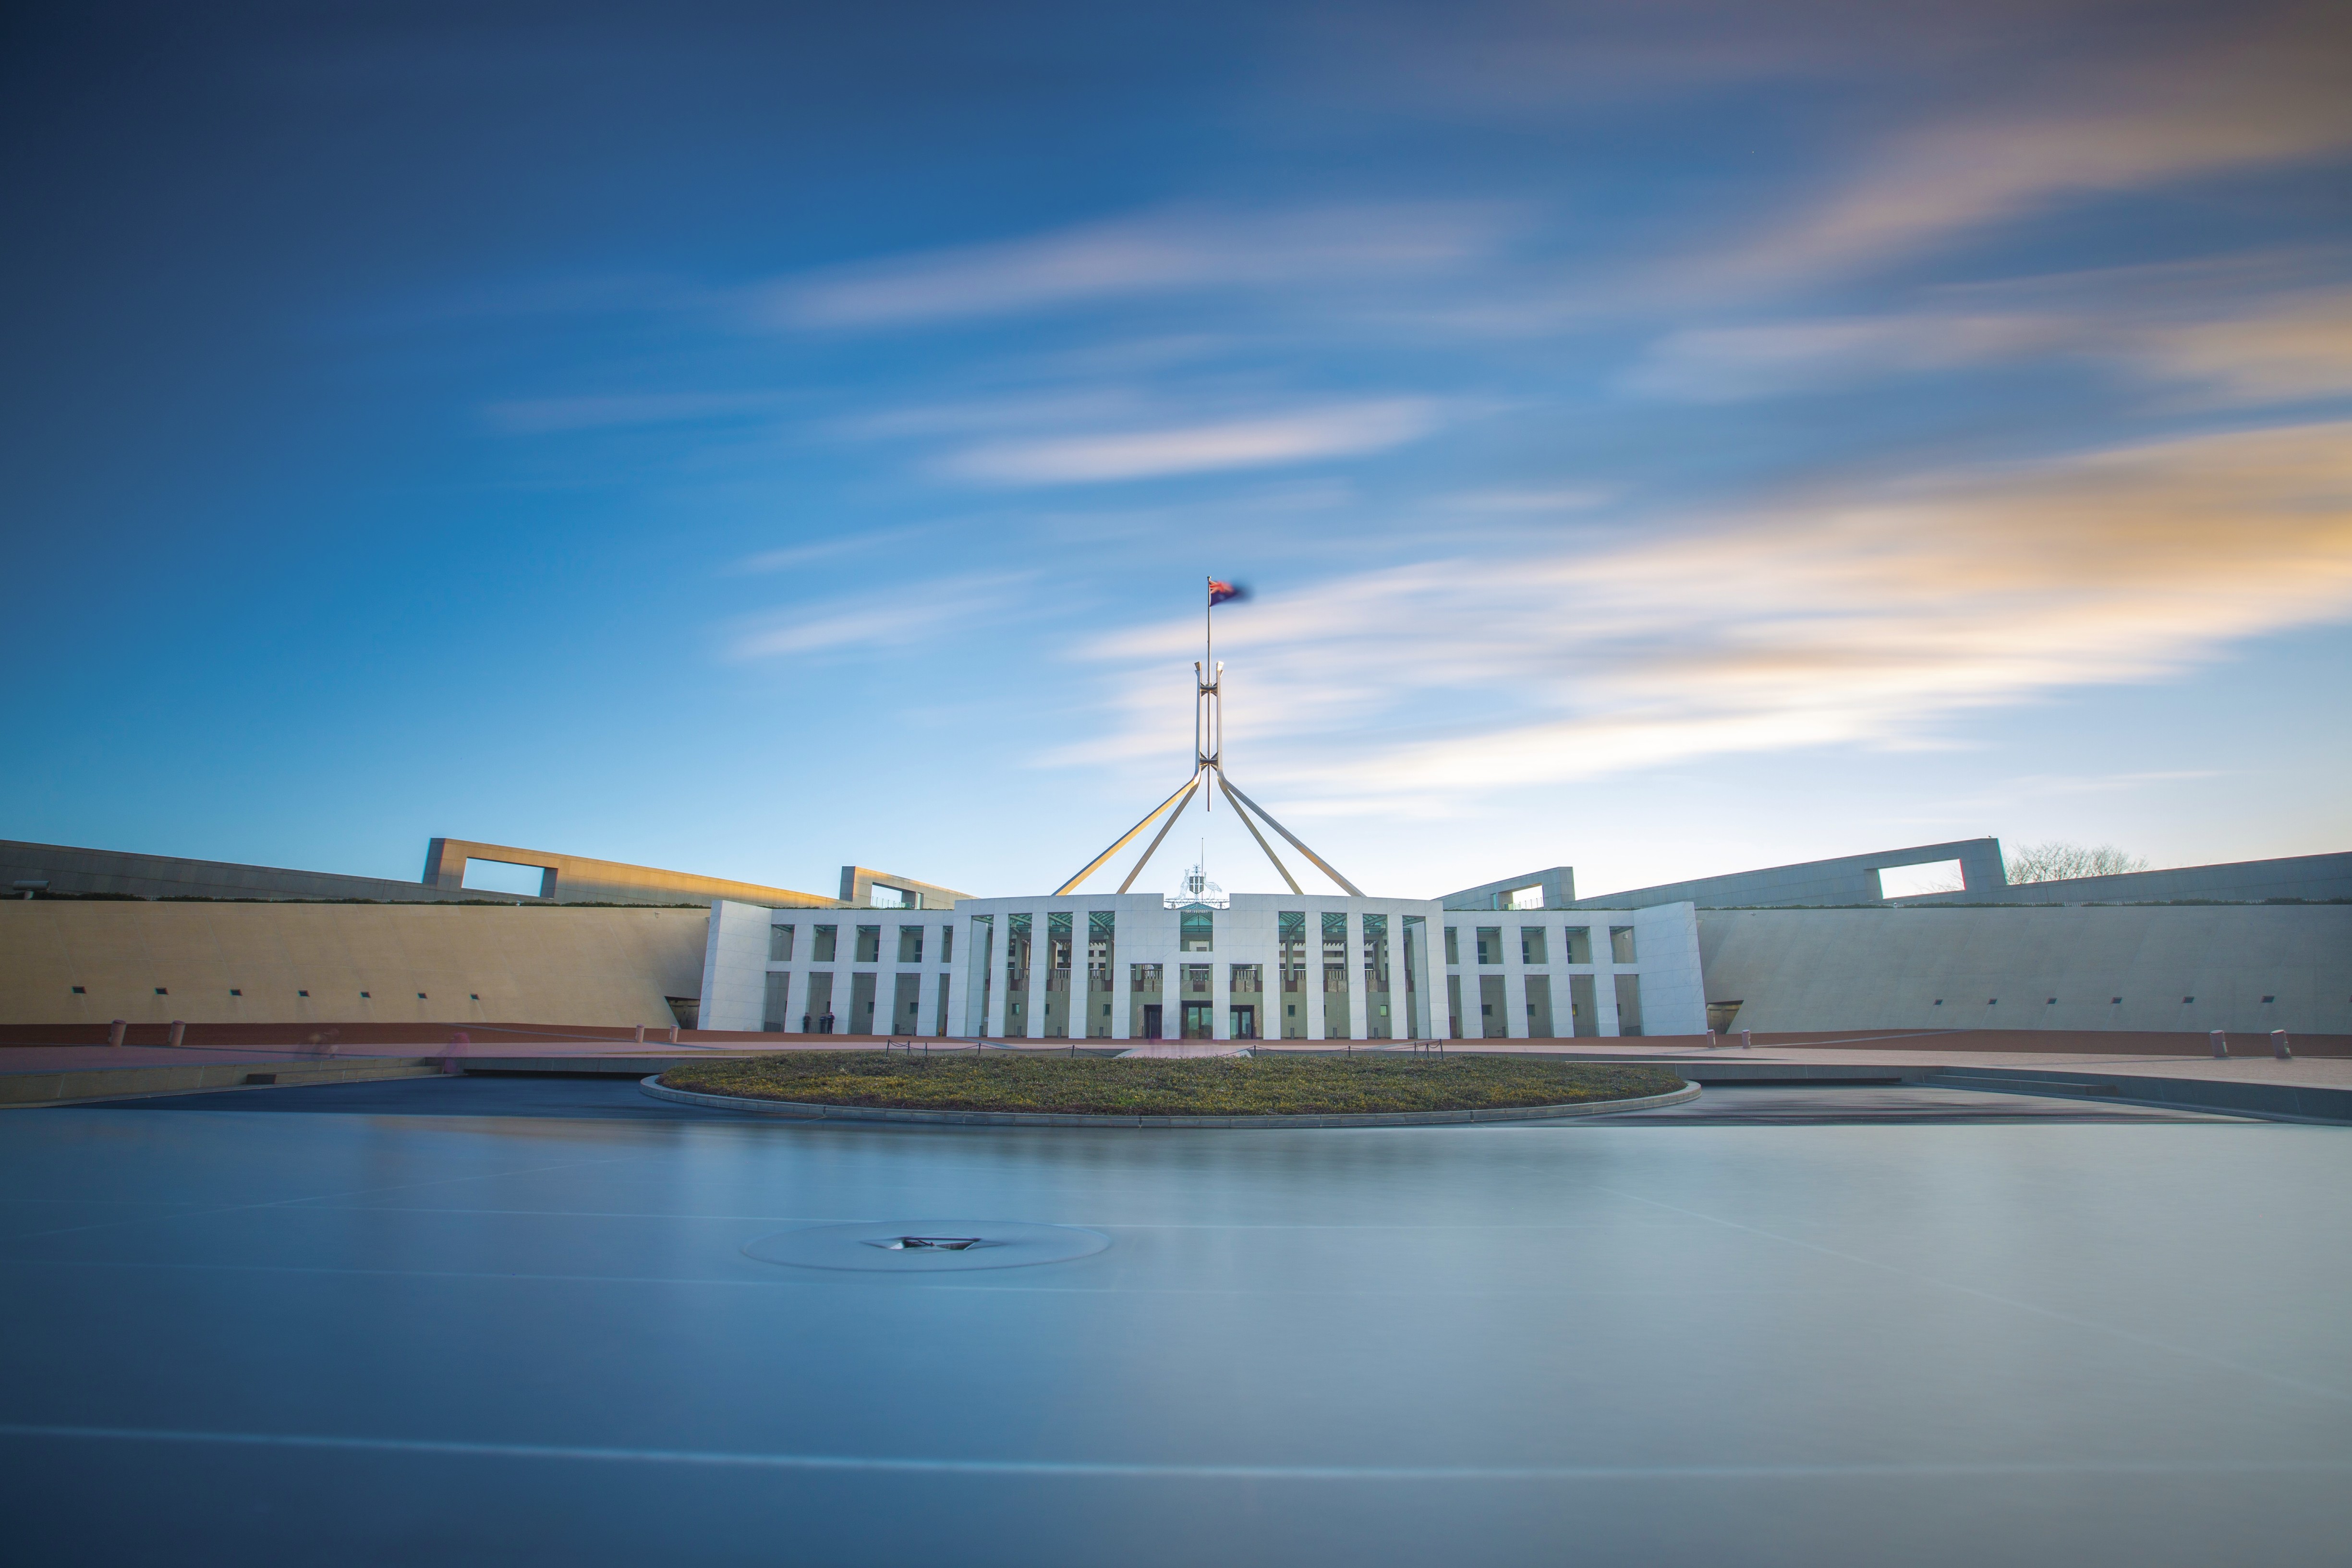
(1661, 438)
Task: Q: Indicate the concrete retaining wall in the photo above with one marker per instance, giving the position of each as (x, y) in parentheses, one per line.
(470, 963)
(2000, 968)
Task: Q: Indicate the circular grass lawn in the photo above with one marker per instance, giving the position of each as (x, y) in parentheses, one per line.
(1146, 1085)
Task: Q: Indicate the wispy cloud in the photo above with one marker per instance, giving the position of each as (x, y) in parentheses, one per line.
(1268, 440)
(893, 618)
(1856, 618)
(2275, 96)
(835, 549)
(2217, 331)
(1157, 252)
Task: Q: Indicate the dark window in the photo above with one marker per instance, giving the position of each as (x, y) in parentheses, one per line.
(420, 996)
(301, 993)
(869, 946)
(2189, 998)
(2266, 998)
(363, 996)
(232, 991)
(159, 991)
(80, 991)
(472, 996)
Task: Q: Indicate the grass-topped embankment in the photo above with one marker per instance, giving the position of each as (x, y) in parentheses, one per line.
(1145, 1085)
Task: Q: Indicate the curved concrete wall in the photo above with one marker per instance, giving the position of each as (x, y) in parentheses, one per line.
(1998, 968)
(473, 963)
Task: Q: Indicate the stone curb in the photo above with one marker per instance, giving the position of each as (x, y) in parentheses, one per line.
(802, 1111)
(72, 1086)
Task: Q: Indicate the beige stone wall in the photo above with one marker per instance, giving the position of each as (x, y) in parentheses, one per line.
(472, 964)
(2036, 967)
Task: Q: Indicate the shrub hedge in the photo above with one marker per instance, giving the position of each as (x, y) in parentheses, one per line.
(1146, 1085)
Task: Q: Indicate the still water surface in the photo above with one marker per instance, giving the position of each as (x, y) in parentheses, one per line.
(249, 1336)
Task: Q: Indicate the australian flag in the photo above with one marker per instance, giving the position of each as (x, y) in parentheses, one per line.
(1219, 593)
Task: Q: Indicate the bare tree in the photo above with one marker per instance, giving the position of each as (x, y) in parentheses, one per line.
(2059, 862)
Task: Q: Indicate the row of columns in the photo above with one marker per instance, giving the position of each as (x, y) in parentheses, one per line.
(1127, 1022)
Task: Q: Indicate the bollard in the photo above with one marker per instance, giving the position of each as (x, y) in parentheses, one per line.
(1710, 1040)
(2220, 1044)
(178, 1032)
(641, 1033)
(2280, 1047)
(673, 1034)
(1747, 1041)
(116, 1030)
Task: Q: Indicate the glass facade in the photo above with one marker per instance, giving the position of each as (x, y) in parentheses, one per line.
(1376, 978)
(1148, 1000)
(1016, 976)
(1336, 1023)
(1290, 931)
(1629, 1003)
(1198, 932)
(1102, 928)
(1059, 937)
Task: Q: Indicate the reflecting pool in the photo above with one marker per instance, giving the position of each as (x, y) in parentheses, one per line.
(249, 1335)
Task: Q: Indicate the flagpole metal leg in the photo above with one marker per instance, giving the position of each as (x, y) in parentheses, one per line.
(1261, 844)
(1321, 863)
(1093, 865)
(1153, 847)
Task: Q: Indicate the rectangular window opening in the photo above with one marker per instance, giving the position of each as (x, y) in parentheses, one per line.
(1911, 881)
(504, 876)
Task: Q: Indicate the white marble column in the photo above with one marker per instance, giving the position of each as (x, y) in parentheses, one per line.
(1310, 993)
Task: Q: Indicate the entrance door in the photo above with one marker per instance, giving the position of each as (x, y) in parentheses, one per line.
(1197, 1014)
(1151, 1020)
(1246, 1022)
